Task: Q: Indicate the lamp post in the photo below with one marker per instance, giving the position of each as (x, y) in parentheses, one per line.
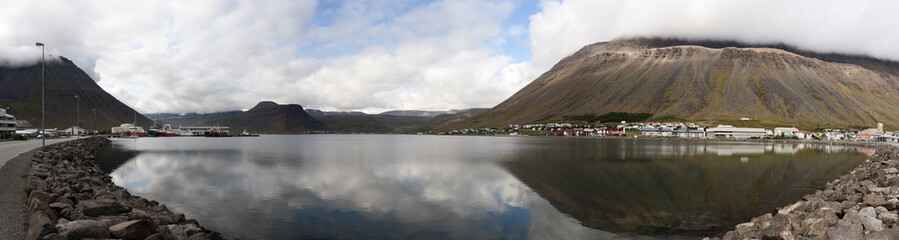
(94, 119)
(77, 116)
(43, 136)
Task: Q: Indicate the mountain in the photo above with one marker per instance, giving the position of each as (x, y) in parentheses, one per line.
(319, 113)
(707, 81)
(188, 119)
(413, 113)
(372, 123)
(20, 90)
(400, 121)
(397, 121)
(268, 117)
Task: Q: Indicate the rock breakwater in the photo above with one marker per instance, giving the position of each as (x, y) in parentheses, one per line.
(69, 197)
(861, 204)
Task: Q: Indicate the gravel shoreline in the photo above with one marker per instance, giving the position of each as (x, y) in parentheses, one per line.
(69, 197)
(12, 212)
(861, 204)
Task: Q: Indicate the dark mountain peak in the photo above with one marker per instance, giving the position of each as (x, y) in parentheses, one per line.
(272, 106)
(264, 104)
(20, 90)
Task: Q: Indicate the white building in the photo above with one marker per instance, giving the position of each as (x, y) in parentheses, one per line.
(728, 131)
(76, 130)
(689, 133)
(785, 131)
(7, 124)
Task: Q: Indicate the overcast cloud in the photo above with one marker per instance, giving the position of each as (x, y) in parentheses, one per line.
(373, 55)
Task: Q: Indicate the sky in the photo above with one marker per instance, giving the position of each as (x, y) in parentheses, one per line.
(378, 55)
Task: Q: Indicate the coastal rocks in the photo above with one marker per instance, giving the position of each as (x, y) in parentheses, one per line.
(134, 229)
(94, 208)
(861, 204)
(79, 229)
(40, 226)
(71, 198)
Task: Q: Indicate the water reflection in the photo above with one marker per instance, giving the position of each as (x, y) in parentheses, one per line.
(438, 187)
(372, 187)
(665, 187)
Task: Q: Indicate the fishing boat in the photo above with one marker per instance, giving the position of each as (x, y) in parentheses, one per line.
(216, 132)
(167, 131)
(246, 134)
(185, 133)
(129, 130)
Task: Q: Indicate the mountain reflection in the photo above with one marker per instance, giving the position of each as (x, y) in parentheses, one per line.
(663, 187)
(438, 187)
(346, 187)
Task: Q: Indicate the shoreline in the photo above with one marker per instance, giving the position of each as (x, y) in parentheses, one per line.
(860, 204)
(64, 183)
(68, 196)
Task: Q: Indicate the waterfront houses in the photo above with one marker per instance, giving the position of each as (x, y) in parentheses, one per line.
(728, 131)
(7, 124)
(684, 130)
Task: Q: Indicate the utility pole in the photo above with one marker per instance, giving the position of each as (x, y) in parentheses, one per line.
(43, 127)
(78, 116)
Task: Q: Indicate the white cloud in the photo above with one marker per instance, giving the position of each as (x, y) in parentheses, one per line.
(206, 56)
(866, 27)
(175, 56)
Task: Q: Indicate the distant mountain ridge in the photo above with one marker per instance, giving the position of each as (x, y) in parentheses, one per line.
(266, 117)
(398, 121)
(715, 83)
(20, 90)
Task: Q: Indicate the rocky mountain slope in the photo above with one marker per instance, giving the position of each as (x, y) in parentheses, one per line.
(267, 117)
(707, 81)
(20, 90)
(398, 121)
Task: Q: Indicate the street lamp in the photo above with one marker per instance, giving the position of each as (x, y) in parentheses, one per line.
(78, 116)
(43, 136)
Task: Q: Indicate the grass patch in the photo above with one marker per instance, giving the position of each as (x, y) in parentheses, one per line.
(17, 137)
(669, 118)
(872, 117)
(544, 119)
(24, 175)
(816, 97)
(852, 85)
(25, 190)
(610, 117)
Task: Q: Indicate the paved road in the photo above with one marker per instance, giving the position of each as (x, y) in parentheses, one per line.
(11, 149)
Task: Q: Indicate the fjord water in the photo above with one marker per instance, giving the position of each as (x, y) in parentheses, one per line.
(469, 187)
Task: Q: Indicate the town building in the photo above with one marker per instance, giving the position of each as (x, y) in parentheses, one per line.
(689, 133)
(728, 131)
(7, 124)
(785, 131)
(75, 130)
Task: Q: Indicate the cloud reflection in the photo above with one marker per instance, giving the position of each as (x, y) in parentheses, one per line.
(348, 187)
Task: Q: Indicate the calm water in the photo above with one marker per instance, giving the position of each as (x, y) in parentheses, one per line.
(466, 187)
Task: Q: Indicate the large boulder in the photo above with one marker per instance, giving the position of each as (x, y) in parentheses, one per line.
(43, 196)
(889, 234)
(96, 208)
(37, 205)
(875, 200)
(134, 229)
(845, 230)
(79, 229)
(34, 183)
(868, 217)
(39, 225)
